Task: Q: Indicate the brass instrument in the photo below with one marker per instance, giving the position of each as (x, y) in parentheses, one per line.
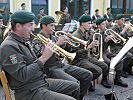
(130, 26)
(60, 15)
(8, 28)
(2, 25)
(98, 50)
(75, 42)
(58, 50)
(118, 37)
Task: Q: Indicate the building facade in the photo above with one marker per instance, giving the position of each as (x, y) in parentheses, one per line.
(76, 7)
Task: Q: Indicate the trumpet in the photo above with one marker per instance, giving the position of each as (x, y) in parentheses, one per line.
(75, 42)
(58, 50)
(98, 50)
(118, 37)
(130, 26)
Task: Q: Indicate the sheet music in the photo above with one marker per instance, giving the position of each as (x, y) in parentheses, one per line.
(122, 52)
(69, 27)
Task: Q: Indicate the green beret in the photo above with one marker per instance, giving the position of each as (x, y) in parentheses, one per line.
(119, 16)
(94, 21)
(1, 17)
(22, 16)
(47, 20)
(84, 18)
(100, 20)
(110, 19)
(127, 19)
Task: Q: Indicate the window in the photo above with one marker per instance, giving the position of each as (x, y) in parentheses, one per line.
(39, 2)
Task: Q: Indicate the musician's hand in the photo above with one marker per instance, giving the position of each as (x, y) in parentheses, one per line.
(93, 44)
(47, 52)
(125, 29)
(63, 39)
(109, 37)
(92, 31)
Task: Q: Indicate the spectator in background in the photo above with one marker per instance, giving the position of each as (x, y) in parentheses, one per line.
(2, 28)
(96, 16)
(108, 15)
(23, 6)
(40, 15)
(86, 11)
(64, 20)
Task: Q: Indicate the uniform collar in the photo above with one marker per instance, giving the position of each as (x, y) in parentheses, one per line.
(82, 31)
(45, 35)
(16, 37)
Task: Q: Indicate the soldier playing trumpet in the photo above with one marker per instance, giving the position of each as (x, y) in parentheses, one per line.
(54, 66)
(91, 63)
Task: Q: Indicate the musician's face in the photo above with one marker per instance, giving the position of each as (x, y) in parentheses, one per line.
(66, 10)
(1, 21)
(24, 30)
(121, 21)
(102, 26)
(87, 25)
(49, 28)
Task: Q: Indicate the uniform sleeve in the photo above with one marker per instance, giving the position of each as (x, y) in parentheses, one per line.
(14, 63)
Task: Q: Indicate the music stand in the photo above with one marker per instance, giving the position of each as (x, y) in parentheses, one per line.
(69, 27)
(118, 58)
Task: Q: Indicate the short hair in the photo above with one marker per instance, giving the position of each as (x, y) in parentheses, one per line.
(108, 9)
(96, 10)
(41, 8)
(64, 8)
(86, 9)
(22, 4)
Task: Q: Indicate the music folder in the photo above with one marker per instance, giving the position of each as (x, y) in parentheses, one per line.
(122, 53)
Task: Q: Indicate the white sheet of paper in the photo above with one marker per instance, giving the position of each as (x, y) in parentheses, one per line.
(122, 52)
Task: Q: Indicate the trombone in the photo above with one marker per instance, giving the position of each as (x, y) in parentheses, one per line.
(118, 37)
(58, 50)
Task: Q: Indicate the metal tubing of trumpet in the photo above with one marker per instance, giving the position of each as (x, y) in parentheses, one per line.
(75, 39)
(118, 37)
(58, 50)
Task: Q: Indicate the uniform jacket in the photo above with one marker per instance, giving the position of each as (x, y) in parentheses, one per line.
(23, 71)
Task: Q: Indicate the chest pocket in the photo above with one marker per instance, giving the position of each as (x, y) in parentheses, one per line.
(29, 56)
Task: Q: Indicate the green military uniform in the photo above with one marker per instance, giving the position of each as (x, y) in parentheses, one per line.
(129, 56)
(24, 70)
(56, 69)
(106, 54)
(115, 48)
(90, 63)
(108, 26)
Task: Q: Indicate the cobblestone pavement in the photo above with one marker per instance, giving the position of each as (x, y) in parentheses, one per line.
(121, 93)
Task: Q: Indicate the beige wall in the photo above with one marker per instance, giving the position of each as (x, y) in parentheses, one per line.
(53, 5)
(16, 4)
(101, 5)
